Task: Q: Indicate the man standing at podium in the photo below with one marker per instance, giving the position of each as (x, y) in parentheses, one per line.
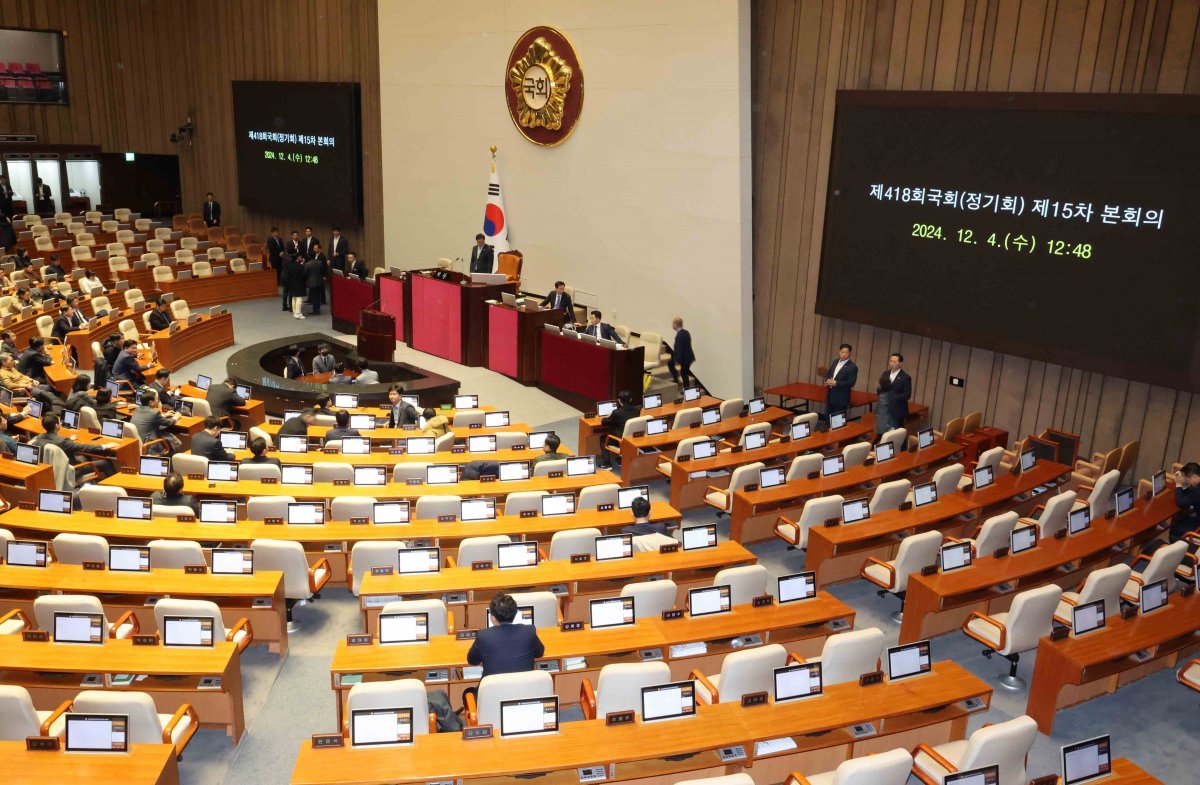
(560, 299)
(481, 256)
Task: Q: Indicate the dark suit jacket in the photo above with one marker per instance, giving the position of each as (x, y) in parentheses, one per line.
(159, 320)
(566, 303)
(506, 648)
(210, 447)
(314, 272)
(408, 415)
(337, 255)
(63, 325)
(482, 264)
(128, 368)
(212, 213)
(221, 399)
(164, 396)
(74, 450)
(615, 422)
(307, 243)
(837, 398)
(360, 269)
(605, 331)
(264, 459)
(274, 250)
(294, 427)
(334, 434)
(896, 393)
(682, 351)
(294, 369)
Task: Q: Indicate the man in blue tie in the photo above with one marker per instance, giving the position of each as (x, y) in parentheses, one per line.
(560, 299)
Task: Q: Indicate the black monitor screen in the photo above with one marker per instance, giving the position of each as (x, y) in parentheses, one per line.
(298, 147)
(1009, 220)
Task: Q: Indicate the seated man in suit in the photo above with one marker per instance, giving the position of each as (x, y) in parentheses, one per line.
(294, 368)
(127, 368)
(298, 425)
(223, 397)
(68, 321)
(1187, 496)
(560, 299)
(172, 494)
(342, 428)
(340, 376)
(400, 413)
(601, 329)
(207, 443)
(160, 318)
(324, 362)
(550, 450)
(162, 386)
(356, 266)
(152, 424)
(505, 647)
(365, 373)
(76, 453)
(55, 268)
(258, 453)
(106, 409)
(481, 256)
(615, 423)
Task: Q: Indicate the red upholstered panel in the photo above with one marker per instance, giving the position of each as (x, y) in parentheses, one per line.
(391, 300)
(570, 364)
(350, 297)
(502, 340)
(437, 318)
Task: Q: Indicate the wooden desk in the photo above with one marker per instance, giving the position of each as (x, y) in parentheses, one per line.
(393, 434)
(125, 452)
(129, 591)
(32, 478)
(193, 341)
(836, 554)
(688, 492)
(513, 337)
(51, 672)
(578, 583)
(592, 432)
(145, 764)
(447, 317)
(640, 454)
(937, 604)
(815, 393)
(753, 516)
(924, 709)
(253, 413)
(582, 373)
(389, 459)
(800, 627)
(1126, 772)
(81, 340)
(220, 289)
(1074, 670)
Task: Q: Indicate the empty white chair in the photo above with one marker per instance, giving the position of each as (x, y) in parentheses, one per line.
(77, 548)
(804, 465)
(331, 471)
(444, 443)
(45, 606)
(523, 501)
(856, 454)
(146, 725)
(1029, 619)
(848, 655)
(1053, 516)
(991, 458)
(260, 508)
(99, 497)
(884, 768)
(367, 554)
(430, 507)
(684, 448)
(100, 303)
(110, 227)
(300, 581)
(567, 543)
(653, 343)
(898, 438)
(216, 253)
(186, 463)
(1005, 744)
(484, 709)
(545, 468)
(721, 499)
(742, 672)
(745, 582)
(1161, 566)
(179, 308)
(343, 508)
(410, 470)
(994, 533)
(731, 407)
(946, 479)
(651, 598)
(546, 610)
(506, 440)
(163, 274)
(440, 621)
(19, 719)
(759, 427)
(175, 554)
(162, 233)
(592, 497)
(684, 418)
(473, 549)
(815, 512)
(241, 634)
(465, 418)
(1100, 495)
(1103, 584)
(202, 269)
(728, 779)
(889, 496)
(619, 687)
(398, 694)
(915, 552)
(254, 472)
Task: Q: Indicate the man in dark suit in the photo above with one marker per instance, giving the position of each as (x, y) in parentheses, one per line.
(481, 256)
(356, 266)
(258, 453)
(223, 397)
(615, 422)
(207, 443)
(338, 248)
(314, 278)
(69, 320)
(275, 247)
(681, 355)
(839, 381)
(400, 413)
(895, 389)
(294, 368)
(560, 299)
(152, 424)
(505, 647)
(6, 196)
(76, 452)
(43, 203)
(127, 368)
(293, 245)
(298, 425)
(601, 329)
(159, 318)
(342, 428)
(162, 388)
(34, 360)
(308, 241)
(212, 210)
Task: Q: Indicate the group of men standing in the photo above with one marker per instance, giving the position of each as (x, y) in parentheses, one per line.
(303, 267)
(894, 389)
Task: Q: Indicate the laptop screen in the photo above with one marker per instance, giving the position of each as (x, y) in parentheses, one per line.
(955, 556)
(294, 444)
(1087, 617)
(669, 701)
(612, 612)
(772, 477)
(982, 477)
(381, 727)
(614, 546)
(389, 512)
(132, 508)
(1153, 596)
(54, 501)
(605, 408)
(925, 493)
(651, 401)
(296, 474)
(70, 419)
(798, 586)
(419, 561)
(755, 440)
(1123, 500)
(534, 715)
(710, 416)
(203, 382)
(516, 554)
(478, 509)
(699, 537)
(801, 430)
(756, 406)
(356, 445)
(1022, 539)
(129, 558)
(466, 402)
(345, 400)
(511, 471)
(188, 631)
(537, 439)
(798, 681)
(1085, 761)
(495, 419)
(1079, 520)
(306, 512)
(657, 426)
(222, 471)
(79, 628)
(710, 600)
(558, 504)
(420, 445)
(1028, 459)
(910, 660)
(232, 561)
(524, 616)
(702, 450)
(370, 475)
(988, 775)
(403, 628)
(25, 553)
(837, 420)
(96, 732)
(216, 511)
(441, 474)
(578, 467)
(1158, 482)
(884, 451)
(481, 443)
(28, 453)
(233, 440)
(834, 464)
(924, 438)
(856, 510)
(362, 422)
(625, 496)
(691, 393)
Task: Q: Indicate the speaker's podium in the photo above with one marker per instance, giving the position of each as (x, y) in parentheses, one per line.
(581, 372)
(445, 313)
(376, 335)
(513, 334)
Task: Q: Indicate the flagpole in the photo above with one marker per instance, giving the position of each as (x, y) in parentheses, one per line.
(493, 148)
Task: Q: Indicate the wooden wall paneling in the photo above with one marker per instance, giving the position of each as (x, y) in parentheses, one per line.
(1177, 48)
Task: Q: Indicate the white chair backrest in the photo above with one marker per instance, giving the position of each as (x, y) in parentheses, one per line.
(464, 418)
(175, 554)
(684, 448)
(1030, 618)
(77, 548)
(256, 471)
(435, 608)
(522, 501)
(730, 407)
(506, 440)
(848, 655)
(286, 556)
(619, 686)
(897, 436)
(60, 466)
(651, 598)
(565, 544)
(367, 554)
(343, 508)
(946, 479)
(745, 582)
(544, 468)
(545, 606)
(1162, 564)
(1004, 744)
(804, 465)
(855, 454)
(331, 471)
(430, 507)
(991, 458)
(634, 425)
(473, 549)
(170, 510)
(1054, 516)
(889, 496)
(592, 497)
(261, 507)
(145, 725)
(180, 606)
(1100, 499)
(410, 471)
(399, 693)
(743, 476)
(510, 686)
(750, 670)
(1105, 584)
(816, 512)
(685, 417)
(186, 463)
(995, 533)
(917, 551)
(18, 719)
(99, 497)
(758, 427)
(45, 606)
(884, 768)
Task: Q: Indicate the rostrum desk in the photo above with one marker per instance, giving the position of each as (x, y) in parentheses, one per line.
(513, 336)
(144, 764)
(582, 373)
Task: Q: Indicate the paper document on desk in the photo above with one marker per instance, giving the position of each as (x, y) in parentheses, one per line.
(472, 672)
(110, 445)
(718, 473)
(771, 746)
(689, 649)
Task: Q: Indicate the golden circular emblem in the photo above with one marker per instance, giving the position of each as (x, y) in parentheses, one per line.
(544, 86)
